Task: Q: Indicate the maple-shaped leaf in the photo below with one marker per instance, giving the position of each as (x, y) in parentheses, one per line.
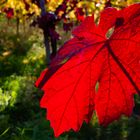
(90, 57)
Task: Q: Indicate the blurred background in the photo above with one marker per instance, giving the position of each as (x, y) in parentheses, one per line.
(31, 32)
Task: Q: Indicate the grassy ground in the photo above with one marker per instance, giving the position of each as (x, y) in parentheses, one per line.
(22, 59)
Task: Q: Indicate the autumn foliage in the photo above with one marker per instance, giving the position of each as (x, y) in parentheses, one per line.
(107, 54)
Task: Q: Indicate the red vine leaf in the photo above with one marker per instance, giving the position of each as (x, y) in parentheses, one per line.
(69, 84)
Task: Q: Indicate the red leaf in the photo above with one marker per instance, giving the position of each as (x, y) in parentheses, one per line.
(69, 84)
(9, 12)
(80, 15)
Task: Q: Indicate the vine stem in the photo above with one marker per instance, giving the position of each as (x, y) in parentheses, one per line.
(46, 36)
